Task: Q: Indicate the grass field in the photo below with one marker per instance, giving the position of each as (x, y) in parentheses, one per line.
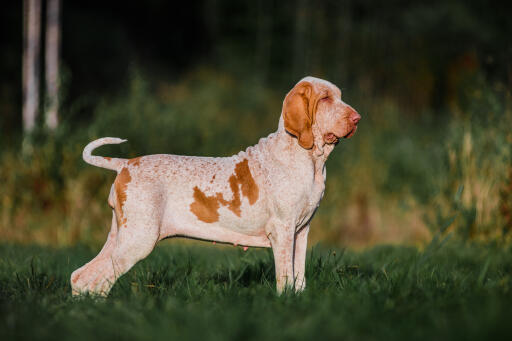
(432, 157)
(448, 291)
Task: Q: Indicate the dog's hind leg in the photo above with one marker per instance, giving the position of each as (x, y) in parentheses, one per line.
(80, 277)
(130, 248)
(133, 242)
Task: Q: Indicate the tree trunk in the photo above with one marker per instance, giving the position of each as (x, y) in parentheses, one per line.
(31, 49)
(52, 62)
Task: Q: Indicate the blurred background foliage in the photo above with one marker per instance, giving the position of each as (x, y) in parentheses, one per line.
(432, 81)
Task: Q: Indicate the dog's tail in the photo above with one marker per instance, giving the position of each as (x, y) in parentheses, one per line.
(101, 161)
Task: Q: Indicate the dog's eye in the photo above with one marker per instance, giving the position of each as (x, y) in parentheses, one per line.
(326, 98)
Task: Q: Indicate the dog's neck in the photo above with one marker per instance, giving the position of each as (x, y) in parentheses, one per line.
(318, 153)
(286, 148)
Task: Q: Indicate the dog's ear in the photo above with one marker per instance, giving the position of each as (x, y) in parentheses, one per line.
(299, 113)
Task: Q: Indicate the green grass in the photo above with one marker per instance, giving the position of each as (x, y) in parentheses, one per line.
(449, 291)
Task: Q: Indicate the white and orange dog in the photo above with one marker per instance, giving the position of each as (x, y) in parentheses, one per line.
(264, 196)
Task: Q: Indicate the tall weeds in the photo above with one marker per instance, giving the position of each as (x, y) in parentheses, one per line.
(398, 180)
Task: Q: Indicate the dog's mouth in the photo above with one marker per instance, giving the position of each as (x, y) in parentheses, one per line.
(350, 133)
(330, 138)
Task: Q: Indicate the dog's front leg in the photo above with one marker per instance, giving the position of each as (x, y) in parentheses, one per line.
(282, 240)
(299, 259)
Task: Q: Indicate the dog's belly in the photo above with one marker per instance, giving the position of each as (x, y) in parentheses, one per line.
(237, 234)
(244, 225)
(221, 235)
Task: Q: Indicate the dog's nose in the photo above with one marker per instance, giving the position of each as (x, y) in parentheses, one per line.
(355, 117)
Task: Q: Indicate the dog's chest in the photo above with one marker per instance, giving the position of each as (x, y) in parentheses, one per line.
(296, 192)
(316, 193)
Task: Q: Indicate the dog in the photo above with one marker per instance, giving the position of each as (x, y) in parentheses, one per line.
(264, 196)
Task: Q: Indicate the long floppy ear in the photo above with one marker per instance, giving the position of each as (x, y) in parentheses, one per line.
(298, 114)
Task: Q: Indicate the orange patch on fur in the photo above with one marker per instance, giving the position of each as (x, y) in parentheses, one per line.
(135, 161)
(120, 186)
(206, 207)
(244, 177)
(107, 158)
(235, 203)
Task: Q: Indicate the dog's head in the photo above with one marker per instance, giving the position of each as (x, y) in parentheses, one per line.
(313, 111)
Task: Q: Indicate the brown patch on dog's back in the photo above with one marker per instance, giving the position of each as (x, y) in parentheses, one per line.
(206, 207)
(120, 187)
(135, 161)
(249, 188)
(107, 158)
(235, 203)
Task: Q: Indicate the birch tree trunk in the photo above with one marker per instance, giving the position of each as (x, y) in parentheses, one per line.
(31, 50)
(52, 62)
